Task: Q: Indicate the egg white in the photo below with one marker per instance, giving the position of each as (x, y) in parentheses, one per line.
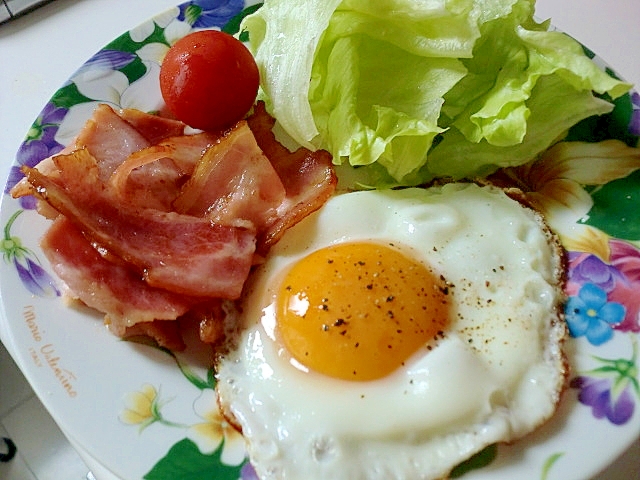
(496, 374)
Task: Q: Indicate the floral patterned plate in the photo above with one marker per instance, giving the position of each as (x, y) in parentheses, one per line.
(145, 412)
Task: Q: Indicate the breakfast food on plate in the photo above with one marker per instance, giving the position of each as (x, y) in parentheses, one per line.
(409, 91)
(361, 332)
(393, 334)
(148, 229)
(209, 80)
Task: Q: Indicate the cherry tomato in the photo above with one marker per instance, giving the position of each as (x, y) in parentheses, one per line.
(209, 80)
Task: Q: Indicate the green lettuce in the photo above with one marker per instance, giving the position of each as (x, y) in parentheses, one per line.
(405, 90)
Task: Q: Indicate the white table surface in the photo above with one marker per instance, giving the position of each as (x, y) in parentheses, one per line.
(38, 52)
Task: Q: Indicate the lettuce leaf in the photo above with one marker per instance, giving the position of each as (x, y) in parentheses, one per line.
(405, 91)
(515, 54)
(455, 156)
(283, 36)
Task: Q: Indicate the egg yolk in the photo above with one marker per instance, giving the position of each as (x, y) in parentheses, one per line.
(358, 311)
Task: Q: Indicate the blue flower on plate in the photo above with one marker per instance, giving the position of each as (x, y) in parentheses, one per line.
(39, 144)
(590, 314)
(33, 276)
(209, 13)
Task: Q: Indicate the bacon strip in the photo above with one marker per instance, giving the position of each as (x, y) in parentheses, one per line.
(189, 149)
(185, 151)
(106, 286)
(148, 178)
(152, 127)
(234, 183)
(110, 139)
(153, 177)
(165, 334)
(308, 177)
(181, 253)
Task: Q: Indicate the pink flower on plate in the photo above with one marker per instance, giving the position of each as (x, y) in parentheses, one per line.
(625, 257)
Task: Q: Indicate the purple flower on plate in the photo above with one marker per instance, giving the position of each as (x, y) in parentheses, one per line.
(611, 390)
(210, 13)
(33, 276)
(109, 59)
(39, 144)
(248, 472)
(634, 125)
(589, 268)
(590, 314)
(596, 393)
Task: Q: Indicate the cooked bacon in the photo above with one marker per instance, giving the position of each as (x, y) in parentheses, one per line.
(308, 177)
(212, 326)
(157, 226)
(234, 183)
(154, 185)
(166, 334)
(152, 127)
(111, 288)
(110, 139)
(148, 178)
(210, 320)
(47, 167)
(188, 149)
(180, 253)
(153, 177)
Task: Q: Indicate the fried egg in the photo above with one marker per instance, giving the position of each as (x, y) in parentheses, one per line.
(394, 334)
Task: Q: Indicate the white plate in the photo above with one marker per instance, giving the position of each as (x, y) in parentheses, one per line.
(91, 381)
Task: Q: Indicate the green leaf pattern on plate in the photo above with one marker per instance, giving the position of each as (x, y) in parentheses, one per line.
(211, 446)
